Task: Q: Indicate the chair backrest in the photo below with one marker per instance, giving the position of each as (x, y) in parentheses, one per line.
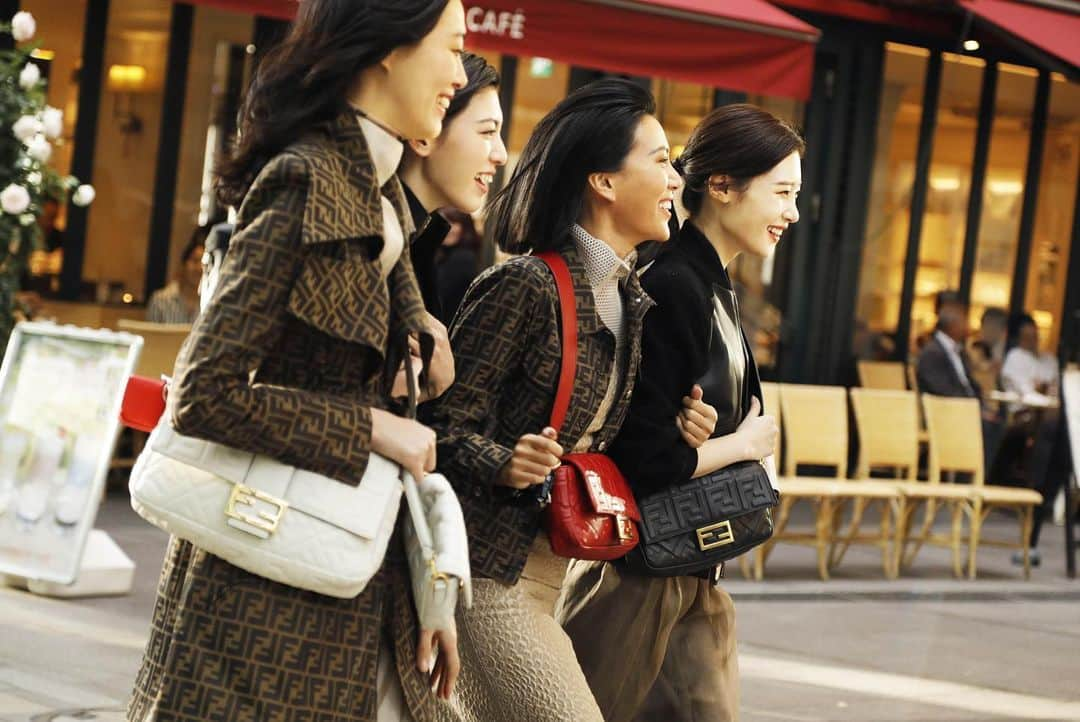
(888, 427)
(815, 427)
(954, 426)
(887, 375)
(161, 344)
(770, 397)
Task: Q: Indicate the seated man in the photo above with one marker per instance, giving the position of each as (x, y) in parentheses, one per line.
(942, 369)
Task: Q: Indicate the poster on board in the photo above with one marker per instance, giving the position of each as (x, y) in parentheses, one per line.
(60, 394)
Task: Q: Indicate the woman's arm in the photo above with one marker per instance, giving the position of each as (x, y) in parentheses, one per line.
(213, 396)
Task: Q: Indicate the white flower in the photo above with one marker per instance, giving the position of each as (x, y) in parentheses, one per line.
(14, 199)
(52, 122)
(23, 27)
(33, 178)
(39, 149)
(30, 76)
(27, 219)
(26, 128)
(84, 195)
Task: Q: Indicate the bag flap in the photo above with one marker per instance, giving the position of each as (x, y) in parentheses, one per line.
(724, 495)
(356, 509)
(604, 483)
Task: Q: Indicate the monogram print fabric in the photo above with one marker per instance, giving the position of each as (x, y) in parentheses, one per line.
(286, 361)
(507, 350)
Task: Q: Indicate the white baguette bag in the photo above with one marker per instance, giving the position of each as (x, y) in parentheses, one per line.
(286, 524)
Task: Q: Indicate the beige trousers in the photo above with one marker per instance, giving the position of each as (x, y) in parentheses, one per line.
(652, 648)
(517, 664)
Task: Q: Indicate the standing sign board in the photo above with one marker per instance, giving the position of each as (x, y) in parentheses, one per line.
(1070, 387)
(60, 394)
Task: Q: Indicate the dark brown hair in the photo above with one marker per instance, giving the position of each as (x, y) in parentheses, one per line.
(304, 80)
(740, 141)
(479, 75)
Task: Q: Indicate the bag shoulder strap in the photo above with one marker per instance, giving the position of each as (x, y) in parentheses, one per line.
(568, 315)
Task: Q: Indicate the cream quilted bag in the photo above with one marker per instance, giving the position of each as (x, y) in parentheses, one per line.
(277, 521)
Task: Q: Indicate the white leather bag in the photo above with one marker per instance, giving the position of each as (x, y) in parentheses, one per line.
(271, 519)
(437, 547)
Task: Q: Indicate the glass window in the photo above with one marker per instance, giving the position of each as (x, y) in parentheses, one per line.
(1003, 190)
(893, 177)
(1054, 211)
(125, 157)
(941, 247)
(540, 85)
(680, 107)
(60, 29)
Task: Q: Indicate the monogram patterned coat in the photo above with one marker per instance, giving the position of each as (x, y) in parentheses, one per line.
(507, 352)
(288, 361)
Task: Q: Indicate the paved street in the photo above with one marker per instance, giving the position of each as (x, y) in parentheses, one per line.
(858, 648)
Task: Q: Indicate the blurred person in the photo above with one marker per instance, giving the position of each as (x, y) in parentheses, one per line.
(178, 302)
(295, 359)
(943, 369)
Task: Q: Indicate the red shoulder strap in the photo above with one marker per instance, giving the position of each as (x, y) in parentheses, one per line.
(568, 313)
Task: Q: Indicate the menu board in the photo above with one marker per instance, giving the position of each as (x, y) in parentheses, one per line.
(1070, 382)
(60, 394)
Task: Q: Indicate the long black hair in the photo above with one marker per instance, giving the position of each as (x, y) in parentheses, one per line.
(590, 131)
(305, 80)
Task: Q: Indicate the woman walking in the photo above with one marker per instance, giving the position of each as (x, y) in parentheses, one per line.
(593, 182)
(663, 648)
(294, 358)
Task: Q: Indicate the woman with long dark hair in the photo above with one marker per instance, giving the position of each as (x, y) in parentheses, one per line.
(452, 174)
(663, 648)
(593, 182)
(294, 358)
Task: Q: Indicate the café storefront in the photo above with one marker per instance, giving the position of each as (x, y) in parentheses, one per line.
(929, 166)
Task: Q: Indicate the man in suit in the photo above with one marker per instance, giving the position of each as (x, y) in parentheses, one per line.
(943, 369)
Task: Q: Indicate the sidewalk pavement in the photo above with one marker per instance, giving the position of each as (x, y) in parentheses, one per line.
(857, 648)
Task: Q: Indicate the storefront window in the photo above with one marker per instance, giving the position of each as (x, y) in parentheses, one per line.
(941, 247)
(125, 157)
(540, 85)
(60, 28)
(680, 107)
(889, 209)
(1003, 190)
(1054, 212)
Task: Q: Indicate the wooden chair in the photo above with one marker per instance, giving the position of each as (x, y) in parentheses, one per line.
(888, 425)
(161, 344)
(956, 444)
(816, 433)
(770, 398)
(886, 375)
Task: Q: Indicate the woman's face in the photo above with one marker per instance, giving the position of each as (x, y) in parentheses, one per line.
(424, 77)
(645, 186)
(460, 164)
(756, 218)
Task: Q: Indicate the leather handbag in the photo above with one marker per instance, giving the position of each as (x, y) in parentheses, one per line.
(592, 513)
(689, 528)
(436, 543)
(144, 402)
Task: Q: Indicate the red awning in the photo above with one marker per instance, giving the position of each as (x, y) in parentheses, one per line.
(744, 45)
(1056, 33)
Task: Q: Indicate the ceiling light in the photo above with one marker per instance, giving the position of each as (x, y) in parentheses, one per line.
(971, 45)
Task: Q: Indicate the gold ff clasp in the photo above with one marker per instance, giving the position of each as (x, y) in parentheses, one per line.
(267, 521)
(715, 535)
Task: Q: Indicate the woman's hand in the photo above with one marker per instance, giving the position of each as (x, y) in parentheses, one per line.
(535, 456)
(441, 371)
(405, 441)
(443, 668)
(697, 420)
(757, 433)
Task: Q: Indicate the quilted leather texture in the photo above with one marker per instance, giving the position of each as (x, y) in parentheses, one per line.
(446, 542)
(305, 551)
(740, 495)
(586, 498)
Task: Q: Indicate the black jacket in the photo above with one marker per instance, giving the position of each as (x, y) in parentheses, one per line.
(431, 231)
(936, 374)
(693, 335)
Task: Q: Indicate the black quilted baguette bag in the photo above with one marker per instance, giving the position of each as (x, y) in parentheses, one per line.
(689, 528)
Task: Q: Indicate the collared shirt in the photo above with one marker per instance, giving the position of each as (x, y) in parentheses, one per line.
(386, 151)
(168, 305)
(953, 350)
(1023, 371)
(606, 273)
